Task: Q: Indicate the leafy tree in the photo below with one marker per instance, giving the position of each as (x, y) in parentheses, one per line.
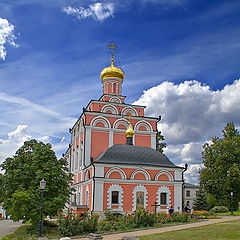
(200, 203)
(23, 173)
(160, 145)
(1, 188)
(221, 174)
(212, 201)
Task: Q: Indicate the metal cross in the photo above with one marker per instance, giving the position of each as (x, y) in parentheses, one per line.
(155, 205)
(113, 47)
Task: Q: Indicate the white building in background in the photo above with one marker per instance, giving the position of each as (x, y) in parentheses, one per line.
(2, 212)
(189, 193)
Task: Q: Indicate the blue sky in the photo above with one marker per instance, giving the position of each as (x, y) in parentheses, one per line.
(180, 58)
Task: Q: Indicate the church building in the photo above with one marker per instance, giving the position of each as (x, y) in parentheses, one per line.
(113, 156)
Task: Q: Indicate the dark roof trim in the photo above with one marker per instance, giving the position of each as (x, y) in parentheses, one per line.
(102, 113)
(134, 164)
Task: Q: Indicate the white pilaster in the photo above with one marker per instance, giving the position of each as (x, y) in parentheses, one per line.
(88, 146)
(110, 138)
(153, 140)
(99, 171)
(98, 203)
(178, 196)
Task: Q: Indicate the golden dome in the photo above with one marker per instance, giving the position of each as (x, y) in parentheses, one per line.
(130, 131)
(112, 72)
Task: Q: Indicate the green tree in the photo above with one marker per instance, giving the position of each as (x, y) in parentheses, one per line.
(1, 188)
(23, 172)
(159, 144)
(200, 203)
(221, 172)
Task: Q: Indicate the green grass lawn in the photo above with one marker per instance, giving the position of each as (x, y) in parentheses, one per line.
(219, 231)
(24, 233)
(235, 213)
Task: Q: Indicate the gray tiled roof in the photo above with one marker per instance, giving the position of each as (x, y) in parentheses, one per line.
(130, 154)
(189, 185)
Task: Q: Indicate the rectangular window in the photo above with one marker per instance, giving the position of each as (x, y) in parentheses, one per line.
(187, 193)
(115, 197)
(163, 198)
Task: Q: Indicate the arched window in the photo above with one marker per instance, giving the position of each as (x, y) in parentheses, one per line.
(79, 198)
(114, 88)
(87, 197)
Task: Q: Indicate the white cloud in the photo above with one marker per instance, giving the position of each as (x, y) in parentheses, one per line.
(98, 11)
(44, 139)
(14, 140)
(6, 36)
(19, 135)
(192, 173)
(191, 113)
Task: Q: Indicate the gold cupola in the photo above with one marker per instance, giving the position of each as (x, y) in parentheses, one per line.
(112, 71)
(129, 132)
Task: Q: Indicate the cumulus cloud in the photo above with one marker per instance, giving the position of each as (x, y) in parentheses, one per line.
(6, 36)
(192, 173)
(98, 11)
(19, 135)
(191, 113)
(14, 140)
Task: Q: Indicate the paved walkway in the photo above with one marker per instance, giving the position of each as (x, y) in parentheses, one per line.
(7, 227)
(118, 236)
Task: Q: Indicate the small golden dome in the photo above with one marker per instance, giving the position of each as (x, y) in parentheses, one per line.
(112, 72)
(129, 132)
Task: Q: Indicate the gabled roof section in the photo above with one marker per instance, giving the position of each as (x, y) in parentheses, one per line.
(134, 155)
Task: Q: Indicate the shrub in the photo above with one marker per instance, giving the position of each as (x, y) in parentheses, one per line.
(110, 216)
(178, 217)
(73, 224)
(219, 209)
(174, 217)
(143, 218)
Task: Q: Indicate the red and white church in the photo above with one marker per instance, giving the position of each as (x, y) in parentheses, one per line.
(113, 156)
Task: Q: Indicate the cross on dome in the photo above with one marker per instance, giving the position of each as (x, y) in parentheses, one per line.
(113, 48)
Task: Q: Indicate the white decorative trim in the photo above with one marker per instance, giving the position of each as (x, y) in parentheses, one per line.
(118, 122)
(129, 109)
(163, 189)
(112, 188)
(109, 107)
(139, 188)
(164, 172)
(143, 123)
(118, 170)
(143, 171)
(101, 119)
(115, 100)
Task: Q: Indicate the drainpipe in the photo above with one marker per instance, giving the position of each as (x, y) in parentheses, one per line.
(93, 193)
(184, 170)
